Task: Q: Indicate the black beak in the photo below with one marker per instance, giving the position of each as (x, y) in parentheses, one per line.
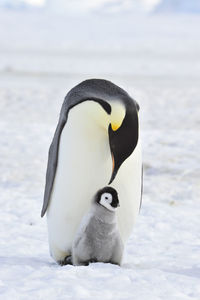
(124, 140)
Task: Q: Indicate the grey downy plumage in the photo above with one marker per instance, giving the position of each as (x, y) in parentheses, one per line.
(98, 238)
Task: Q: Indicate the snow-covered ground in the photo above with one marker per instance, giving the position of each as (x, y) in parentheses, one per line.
(156, 58)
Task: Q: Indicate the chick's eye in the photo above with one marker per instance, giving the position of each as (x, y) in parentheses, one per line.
(106, 197)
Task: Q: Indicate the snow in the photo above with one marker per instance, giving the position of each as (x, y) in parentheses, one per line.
(80, 6)
(157, 60)
(178, 6)
(100, 6)
(75, 7)
(19, 4)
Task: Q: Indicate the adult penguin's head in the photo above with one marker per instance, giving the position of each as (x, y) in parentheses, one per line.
(122, 116)
(123, 134)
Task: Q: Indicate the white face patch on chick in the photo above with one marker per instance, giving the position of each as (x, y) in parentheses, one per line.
(106, 200)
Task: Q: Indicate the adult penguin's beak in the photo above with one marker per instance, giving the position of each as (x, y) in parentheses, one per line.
(123, 138)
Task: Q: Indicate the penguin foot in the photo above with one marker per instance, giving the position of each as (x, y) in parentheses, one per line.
(87, 262)
(114, 263)
(66, 261)
(94, 260)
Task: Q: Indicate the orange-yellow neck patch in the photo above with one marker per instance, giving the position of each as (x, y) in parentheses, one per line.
(117, 115)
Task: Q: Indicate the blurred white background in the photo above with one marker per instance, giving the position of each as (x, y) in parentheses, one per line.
(151, 48)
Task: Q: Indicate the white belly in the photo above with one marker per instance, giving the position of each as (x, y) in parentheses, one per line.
(84, 166)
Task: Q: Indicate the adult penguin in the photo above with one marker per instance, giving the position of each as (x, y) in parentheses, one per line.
(96, 143)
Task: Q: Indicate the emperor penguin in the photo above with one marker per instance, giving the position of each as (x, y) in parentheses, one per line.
(96, 143)
(98, 238)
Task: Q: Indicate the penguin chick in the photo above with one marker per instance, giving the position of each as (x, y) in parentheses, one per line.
(98, 238)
